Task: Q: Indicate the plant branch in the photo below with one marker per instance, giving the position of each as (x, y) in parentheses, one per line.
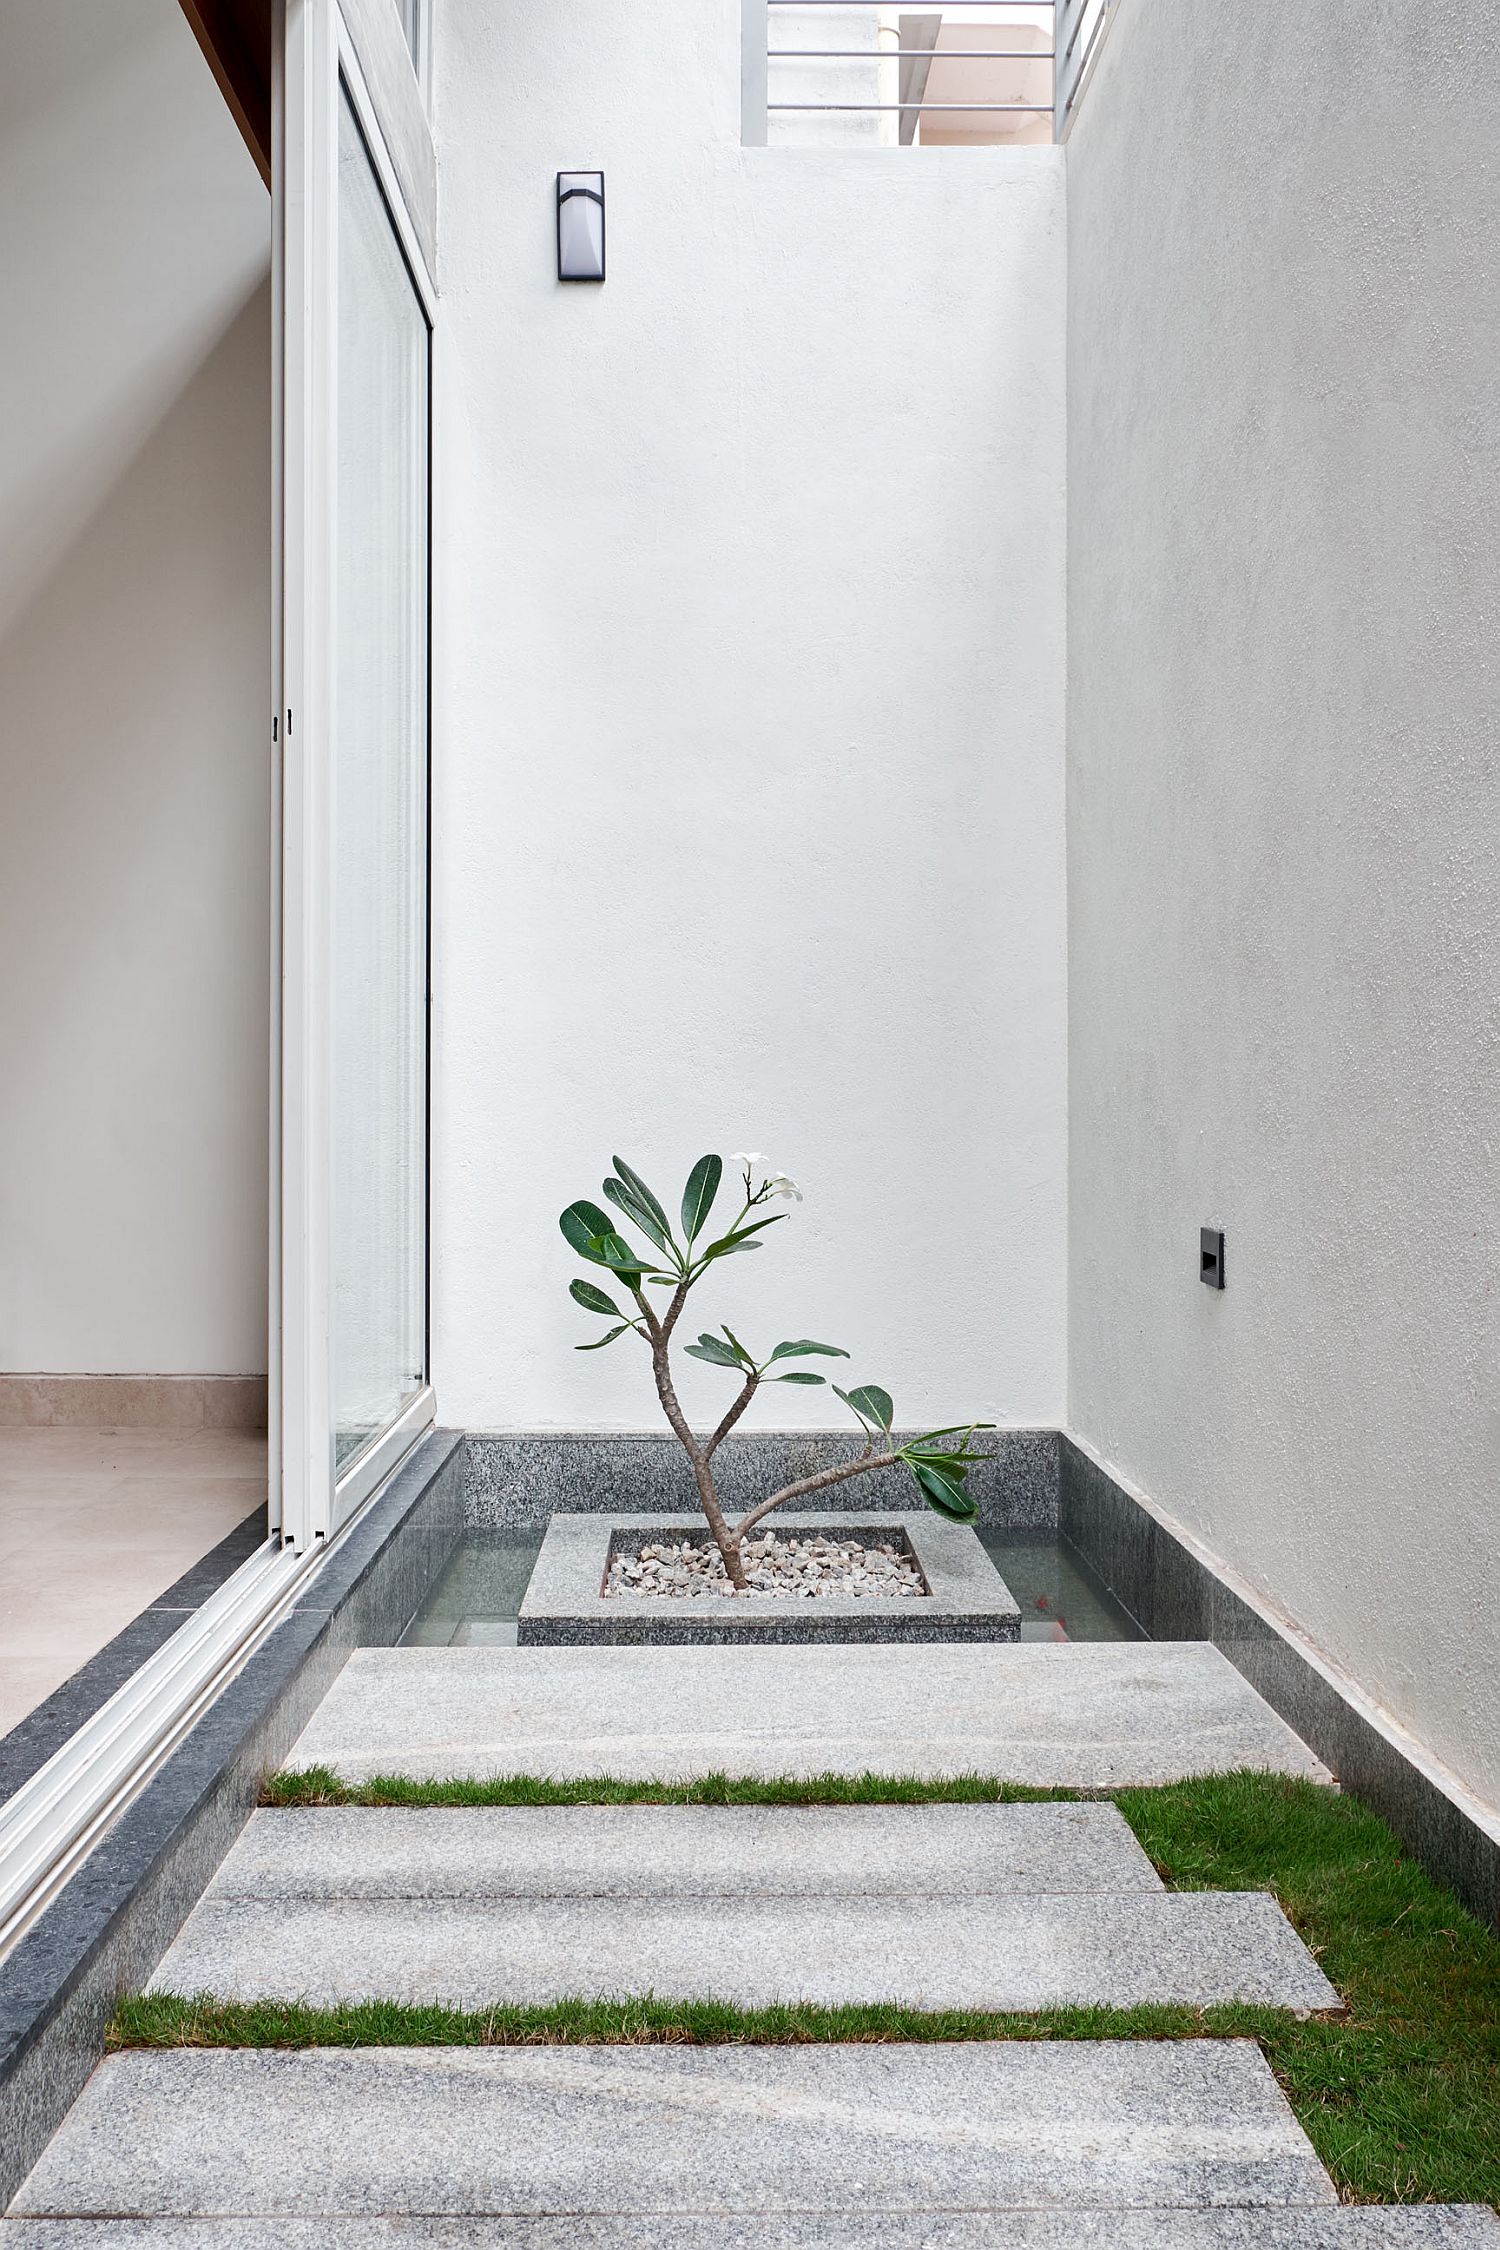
(819, 1483)
(752, 1385)
(661, 1366)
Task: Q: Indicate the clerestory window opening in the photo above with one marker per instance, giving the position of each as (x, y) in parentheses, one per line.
(967, 74)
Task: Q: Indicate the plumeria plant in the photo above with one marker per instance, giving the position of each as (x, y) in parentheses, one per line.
(677, 1261)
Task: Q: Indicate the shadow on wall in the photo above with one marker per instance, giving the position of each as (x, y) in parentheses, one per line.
(134, 876)
(134, 229)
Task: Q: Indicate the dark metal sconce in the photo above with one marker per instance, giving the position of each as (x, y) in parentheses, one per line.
(580, 226)
(1211, 1257)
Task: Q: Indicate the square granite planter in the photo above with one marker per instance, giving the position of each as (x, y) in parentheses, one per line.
(967, 1599)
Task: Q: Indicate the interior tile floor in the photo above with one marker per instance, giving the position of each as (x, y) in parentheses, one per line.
(94, 1525)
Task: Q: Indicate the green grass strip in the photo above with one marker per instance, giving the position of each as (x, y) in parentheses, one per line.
(165, 2019)
(315, 1786)
(1400, 2097)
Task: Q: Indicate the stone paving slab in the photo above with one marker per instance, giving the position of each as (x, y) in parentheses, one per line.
(700, 1851)
(1414, 2227)
(852, 2131)
(1084, 1715)
(1196, 1949)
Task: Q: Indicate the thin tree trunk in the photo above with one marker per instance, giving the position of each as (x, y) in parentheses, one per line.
(819, 1483)
(727, 1541)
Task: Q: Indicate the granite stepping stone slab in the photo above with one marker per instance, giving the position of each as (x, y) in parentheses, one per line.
(1196, 1949)
(780, 2134)
(1414, 2227)
(694, 1852)
(1083, 1715)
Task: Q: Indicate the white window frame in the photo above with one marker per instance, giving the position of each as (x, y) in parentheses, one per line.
(422, 55)
(320, 57)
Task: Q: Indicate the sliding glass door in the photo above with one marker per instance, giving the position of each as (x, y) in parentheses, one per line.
(378, 819)
(356, 413)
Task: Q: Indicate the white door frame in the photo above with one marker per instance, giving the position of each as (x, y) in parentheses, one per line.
(51, 1823)
(318, 56)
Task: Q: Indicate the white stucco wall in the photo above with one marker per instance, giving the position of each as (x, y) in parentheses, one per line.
(134, 637)
(1284, 810)
(750, 784)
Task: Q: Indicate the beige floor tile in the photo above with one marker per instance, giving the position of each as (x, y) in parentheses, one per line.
(70, 1452)
(151, 1508)
(94, 1525)
(23, 1497)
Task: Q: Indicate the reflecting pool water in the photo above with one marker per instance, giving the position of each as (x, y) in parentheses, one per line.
(1061, 1599)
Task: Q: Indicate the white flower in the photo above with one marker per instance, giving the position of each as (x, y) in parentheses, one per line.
(779, 1184)
(746, 1160)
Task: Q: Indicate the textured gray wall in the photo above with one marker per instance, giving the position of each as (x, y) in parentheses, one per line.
(1284, 807)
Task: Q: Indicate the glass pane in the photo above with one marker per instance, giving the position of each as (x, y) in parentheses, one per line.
(379, 821)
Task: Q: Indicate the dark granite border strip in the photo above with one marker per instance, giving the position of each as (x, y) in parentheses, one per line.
(525, 1476)
(1175, 1595)
(109, 1927)
(42, 1733)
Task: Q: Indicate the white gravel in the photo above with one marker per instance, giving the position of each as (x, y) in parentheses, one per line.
(802, 1568)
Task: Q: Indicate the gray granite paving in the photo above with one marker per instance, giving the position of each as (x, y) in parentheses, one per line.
(966, 1598)
(525, 1476)
(1195, 1948)
(699, 1851)
(1419, 2227)
(1084, 1715)
(755, 2131)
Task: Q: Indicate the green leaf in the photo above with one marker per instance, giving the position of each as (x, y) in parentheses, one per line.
(698, 1195)
(616, 1253)
(593, 1300)
(803, 1348)
(717, 1354)
(954, 1460)
(738, 1238)
(608, 1338)
(943, 1493)
(643, 1196)
(585, 1226)
(746, 1359)
(637, 1213)
(798, 1375)
(871, 1404)
(625, 1267)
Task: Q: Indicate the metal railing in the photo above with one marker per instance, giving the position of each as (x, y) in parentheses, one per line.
(945, 68)
(1079, 34)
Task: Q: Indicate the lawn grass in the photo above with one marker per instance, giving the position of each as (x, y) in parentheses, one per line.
(1400, 2097)
(314, 1786)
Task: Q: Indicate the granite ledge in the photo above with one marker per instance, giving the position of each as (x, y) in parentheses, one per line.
(967, 1600)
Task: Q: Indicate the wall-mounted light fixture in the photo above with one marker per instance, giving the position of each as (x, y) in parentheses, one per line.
(1211, 1257)
(580, 226)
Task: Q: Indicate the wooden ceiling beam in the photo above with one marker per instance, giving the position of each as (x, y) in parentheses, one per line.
(235, 36)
